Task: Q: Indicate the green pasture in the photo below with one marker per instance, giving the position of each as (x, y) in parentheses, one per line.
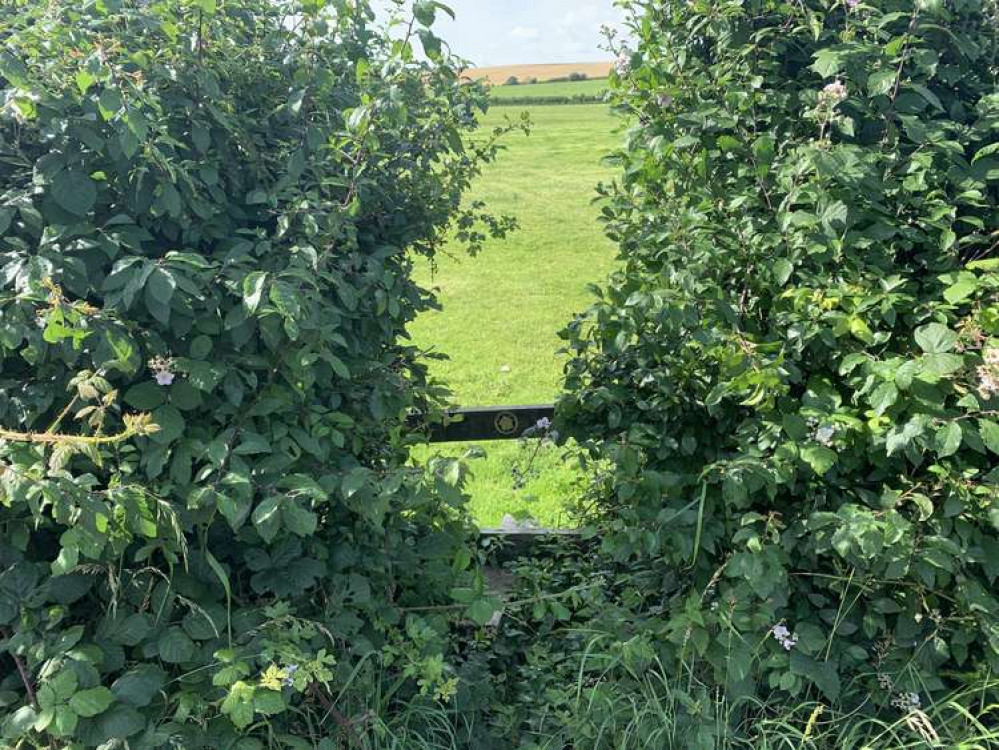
(590, 87)
(504, 308)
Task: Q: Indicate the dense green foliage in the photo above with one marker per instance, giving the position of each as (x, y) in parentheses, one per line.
(209, 215)
(795, 373)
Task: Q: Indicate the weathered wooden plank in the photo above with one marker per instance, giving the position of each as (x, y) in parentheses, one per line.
(490, 423)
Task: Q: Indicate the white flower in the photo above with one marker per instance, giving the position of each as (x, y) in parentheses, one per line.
(825, 435)
(991, 356)
(162, 368)
(784, 637)
(988, 381)
(833, 94)
(623, 64)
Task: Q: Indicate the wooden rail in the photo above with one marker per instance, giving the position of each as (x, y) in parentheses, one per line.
(500, 423)
(491, 423)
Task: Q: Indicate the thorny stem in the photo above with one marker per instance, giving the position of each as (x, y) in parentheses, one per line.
(136, 428)
(22, 670)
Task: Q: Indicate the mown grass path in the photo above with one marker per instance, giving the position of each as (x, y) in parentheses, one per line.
(503, 310)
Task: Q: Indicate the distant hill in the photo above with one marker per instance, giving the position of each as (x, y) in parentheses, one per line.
(545, 72)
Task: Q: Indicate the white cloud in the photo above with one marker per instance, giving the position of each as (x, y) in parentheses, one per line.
(525, 32)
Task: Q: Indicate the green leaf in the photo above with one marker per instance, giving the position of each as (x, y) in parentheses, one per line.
(425, 12)
(238, 705)
(176, 647)
(899, 438)
(252, 443)
(130, 631)
(118, 723)
(84, 80)
(159, 291)
(933, 367)
(881, 81)
(139, 685)
(253, 290)
(90, 702)
(819, 457)
(298, 520)
(201, 137)
(861, 331)
(20, 722)
(268, 702)
(431, 44)
(66, 561)
(991, 150)
(353, 482)
(171, 425)
(170, 200)
(989, 431)
(884, 397)
(822, 674)
(948, 439)
(234, 509)
(146, 396)
(65, 722)
(965, 287)
(481, 611)
(782, 271)
(827, 62)
(184, 396)
(75, 192)
(936, 338)
(110, 103)
(267, 518)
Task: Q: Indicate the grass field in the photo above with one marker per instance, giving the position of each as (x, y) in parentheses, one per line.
(499, 74)
(590, 87)
(503, 309)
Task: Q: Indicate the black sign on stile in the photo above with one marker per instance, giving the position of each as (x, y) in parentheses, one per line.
(491, 423)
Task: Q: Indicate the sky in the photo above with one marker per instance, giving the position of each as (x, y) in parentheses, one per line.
(508, 32)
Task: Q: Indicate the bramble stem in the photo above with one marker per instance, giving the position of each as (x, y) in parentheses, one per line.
(136, 425)
(23, 671)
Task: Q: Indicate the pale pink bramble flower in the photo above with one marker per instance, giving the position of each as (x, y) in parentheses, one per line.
(833, 93)
(825, 435)
(988, 381)
(784, 637)
(162, 368)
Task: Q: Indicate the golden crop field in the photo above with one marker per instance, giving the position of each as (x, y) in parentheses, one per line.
(544, 72)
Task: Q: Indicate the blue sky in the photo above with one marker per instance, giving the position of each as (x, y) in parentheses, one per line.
(506, 32)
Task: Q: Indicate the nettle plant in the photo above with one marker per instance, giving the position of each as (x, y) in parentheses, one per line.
(209, 214)
(794, 373)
